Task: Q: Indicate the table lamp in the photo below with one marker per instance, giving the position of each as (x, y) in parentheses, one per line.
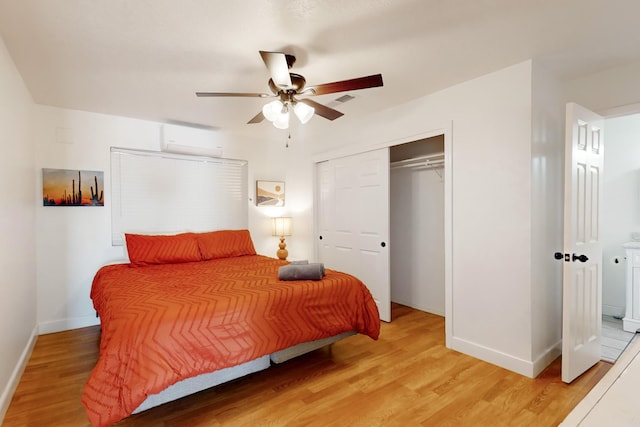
(282, 227)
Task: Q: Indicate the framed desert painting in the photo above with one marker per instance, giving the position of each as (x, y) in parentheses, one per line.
(270, 193)
(66, 187)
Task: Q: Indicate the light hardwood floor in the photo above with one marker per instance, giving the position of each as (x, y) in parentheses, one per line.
(406, 378)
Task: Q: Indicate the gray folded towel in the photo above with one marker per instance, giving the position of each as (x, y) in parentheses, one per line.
(312, 271)
(304, 262)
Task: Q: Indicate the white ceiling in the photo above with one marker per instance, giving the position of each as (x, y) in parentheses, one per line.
(146, 58)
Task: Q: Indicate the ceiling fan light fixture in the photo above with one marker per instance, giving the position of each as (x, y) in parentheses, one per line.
(282, 121)
(272, 110)
(303, 111)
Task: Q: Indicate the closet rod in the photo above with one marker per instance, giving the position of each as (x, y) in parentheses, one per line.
(422, 165)
(437, 156)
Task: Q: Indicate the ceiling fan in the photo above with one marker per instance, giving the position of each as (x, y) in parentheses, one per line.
(287, 87)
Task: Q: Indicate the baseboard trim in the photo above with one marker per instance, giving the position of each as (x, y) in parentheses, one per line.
(67, 324)
(545, 359)
(527, 368)
(14, 380)
(612, 310)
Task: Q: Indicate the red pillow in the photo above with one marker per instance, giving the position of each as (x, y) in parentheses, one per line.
(225, 244)
(160, 249)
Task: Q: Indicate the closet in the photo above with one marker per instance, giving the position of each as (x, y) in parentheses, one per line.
(417, 225)
(380, 217)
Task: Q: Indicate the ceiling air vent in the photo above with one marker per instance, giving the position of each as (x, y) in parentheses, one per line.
(345, 98)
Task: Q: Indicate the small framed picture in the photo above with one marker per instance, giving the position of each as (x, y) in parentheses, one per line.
(270, 193)
(64, 187)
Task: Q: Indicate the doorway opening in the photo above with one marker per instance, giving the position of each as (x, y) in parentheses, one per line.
(620, 223)
(417, 224)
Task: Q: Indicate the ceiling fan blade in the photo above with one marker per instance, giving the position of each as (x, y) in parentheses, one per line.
(276, 62)
(257, 119)
(245, 95)
(322, 110)
(351, 84)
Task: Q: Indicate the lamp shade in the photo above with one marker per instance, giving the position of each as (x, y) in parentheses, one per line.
(272, 110)
(281, 226)
(304, 112)
(282, 121)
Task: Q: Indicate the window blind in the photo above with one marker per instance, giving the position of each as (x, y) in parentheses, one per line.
(164, 193)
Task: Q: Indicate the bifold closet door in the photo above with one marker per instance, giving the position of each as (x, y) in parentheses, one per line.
(353, 220)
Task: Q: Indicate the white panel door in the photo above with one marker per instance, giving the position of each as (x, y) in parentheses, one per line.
(345, 209)
(325, 198)
(373, 226)
(582, 272)
(353, 198)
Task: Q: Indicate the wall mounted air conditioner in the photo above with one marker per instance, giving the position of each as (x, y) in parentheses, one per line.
(188, 140)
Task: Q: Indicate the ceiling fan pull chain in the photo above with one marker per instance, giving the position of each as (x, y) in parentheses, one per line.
(287, 146)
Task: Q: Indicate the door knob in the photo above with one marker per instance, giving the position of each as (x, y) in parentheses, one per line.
(581, 258)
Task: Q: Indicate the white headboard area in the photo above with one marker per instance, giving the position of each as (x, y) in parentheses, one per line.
(163, 193)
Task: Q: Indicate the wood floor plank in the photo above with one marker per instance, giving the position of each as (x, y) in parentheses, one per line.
(406, 378)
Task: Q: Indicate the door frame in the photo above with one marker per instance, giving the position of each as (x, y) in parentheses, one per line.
(446, 130)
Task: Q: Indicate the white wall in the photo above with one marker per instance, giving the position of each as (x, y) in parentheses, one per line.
(621, 205)
(493, 184)
(547, 169)
(18, 244)
(274, 161)
(492, 217)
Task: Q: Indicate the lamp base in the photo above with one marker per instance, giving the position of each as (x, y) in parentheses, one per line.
(282, 253)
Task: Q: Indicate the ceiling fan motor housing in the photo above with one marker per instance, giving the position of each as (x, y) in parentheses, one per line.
(297, 84)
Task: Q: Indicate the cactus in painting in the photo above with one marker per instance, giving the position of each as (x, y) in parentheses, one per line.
(95, 200)
(79, 201)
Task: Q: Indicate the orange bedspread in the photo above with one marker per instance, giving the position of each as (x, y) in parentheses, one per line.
(164, 323)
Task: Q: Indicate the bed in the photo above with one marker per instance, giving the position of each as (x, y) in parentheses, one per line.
(198, 309)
